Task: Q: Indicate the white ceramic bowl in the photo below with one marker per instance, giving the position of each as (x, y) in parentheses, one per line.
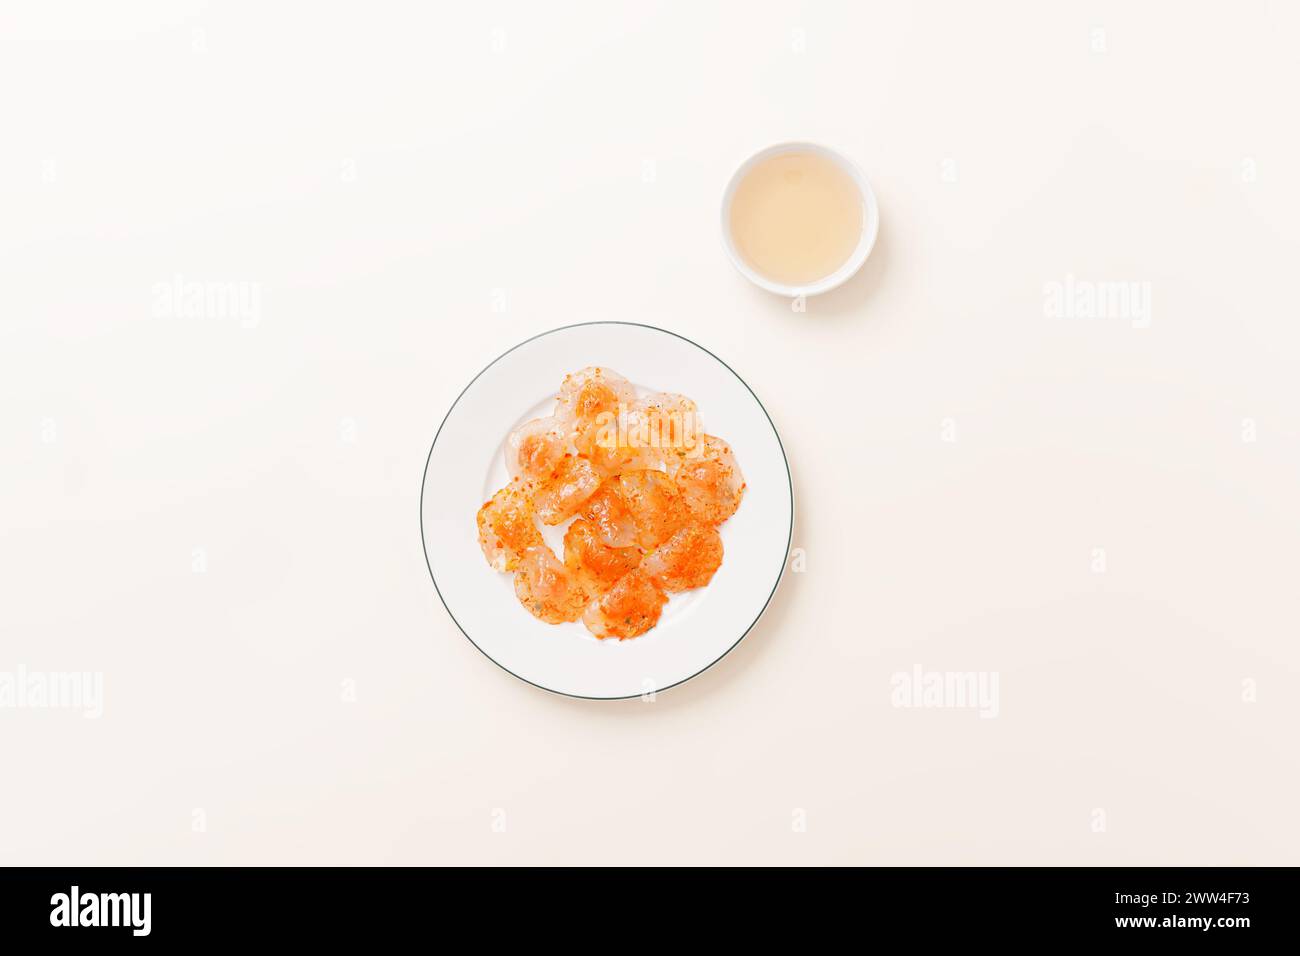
(870, 223)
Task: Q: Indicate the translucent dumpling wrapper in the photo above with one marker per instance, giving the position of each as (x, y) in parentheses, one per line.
(547, 589)
(628, 609)
(686, 560)
(561, 493)
(536, 447)
(597, 565)
(506, 527)
(590, 393)
(662, 428)
(608, 512)
(711, 483)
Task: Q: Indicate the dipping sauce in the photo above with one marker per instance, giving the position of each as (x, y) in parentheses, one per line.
(796, 217)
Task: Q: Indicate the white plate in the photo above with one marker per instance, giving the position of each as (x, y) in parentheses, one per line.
(466, 465)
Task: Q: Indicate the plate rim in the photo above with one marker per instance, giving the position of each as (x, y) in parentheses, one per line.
(785, 459)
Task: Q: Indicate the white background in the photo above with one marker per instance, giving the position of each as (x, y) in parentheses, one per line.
(415, 188)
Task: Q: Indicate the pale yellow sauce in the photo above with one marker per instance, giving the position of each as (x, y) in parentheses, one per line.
(796, 217)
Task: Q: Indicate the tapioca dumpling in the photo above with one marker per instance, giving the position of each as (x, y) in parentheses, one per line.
(608, 512)
(536, 447)
(603, 442)
(590, 392)
(655, 505)
(506, 527)
(547, 589)
(596, 564)
(628, 609)
(593, 402)
(664, 421)
(561, 493)
(687, 560)
(710, 482)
